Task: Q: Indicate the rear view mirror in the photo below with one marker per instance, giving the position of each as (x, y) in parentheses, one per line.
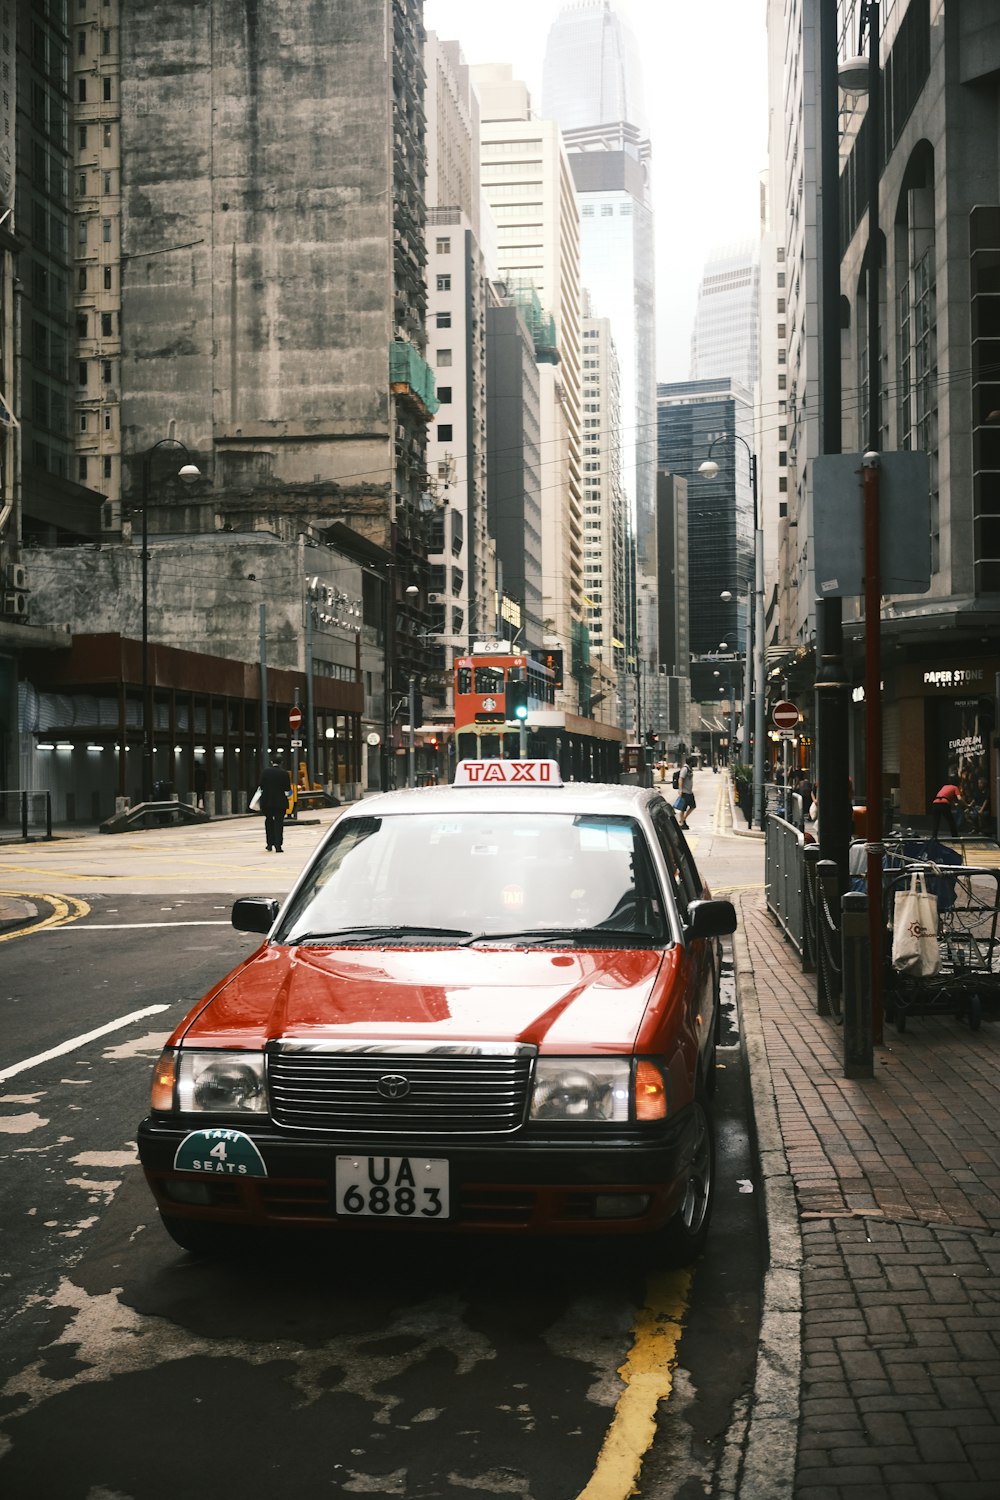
(254, 913)
(706, 919)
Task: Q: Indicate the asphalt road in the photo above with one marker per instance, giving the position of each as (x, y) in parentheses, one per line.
(390, 1367)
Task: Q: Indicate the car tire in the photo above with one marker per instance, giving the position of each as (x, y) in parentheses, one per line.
(203, 1239)
(683, 1239)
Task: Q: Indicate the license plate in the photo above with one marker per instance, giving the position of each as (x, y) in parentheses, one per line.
(392, 1187)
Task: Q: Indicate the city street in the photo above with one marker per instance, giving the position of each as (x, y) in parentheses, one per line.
(415, 1368)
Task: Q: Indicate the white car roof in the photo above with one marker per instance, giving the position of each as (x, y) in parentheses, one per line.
(574, 797)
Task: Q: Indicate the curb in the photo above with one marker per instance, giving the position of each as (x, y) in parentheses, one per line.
(771, 1434)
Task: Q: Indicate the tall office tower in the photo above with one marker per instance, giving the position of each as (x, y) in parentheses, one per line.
(461, 551)
(516, 467)
(694, 415)
(799, 386)
(529, 186)
(592, 85)
(771, 436)
(95, 142)
(725, 340)
(605, 520)
(592, 72)
(240, 275)
(273, 228)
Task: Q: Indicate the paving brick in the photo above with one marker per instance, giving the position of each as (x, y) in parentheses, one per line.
(897, 1182)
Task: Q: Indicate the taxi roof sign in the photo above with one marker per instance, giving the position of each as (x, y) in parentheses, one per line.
(508, 773)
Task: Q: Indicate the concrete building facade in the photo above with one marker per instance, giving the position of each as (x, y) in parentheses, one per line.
(529, 186)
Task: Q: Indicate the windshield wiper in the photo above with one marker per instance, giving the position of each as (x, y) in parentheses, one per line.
(589, 936)
(342, 935)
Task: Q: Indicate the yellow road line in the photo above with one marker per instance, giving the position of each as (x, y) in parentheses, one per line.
(64, 909)
(648, 1376)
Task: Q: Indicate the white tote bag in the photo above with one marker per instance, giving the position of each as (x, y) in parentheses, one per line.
(915, 947)
(255, 801)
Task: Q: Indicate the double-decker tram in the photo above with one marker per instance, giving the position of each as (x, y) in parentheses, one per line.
(505, 709)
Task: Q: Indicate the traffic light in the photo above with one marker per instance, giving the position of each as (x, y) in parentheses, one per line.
(651, 737)
(517, 699)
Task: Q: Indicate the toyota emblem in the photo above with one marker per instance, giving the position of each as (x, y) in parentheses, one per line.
(393, 1086)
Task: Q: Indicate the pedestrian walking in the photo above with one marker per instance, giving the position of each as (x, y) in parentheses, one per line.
(275, 790)
(685, 803)
(943, 806)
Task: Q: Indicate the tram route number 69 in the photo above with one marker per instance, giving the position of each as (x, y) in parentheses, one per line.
(392, 1187)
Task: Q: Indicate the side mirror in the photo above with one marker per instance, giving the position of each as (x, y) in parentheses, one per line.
(254, 913)
(707, 919)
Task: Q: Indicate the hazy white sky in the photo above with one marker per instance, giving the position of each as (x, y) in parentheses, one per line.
(705, 64)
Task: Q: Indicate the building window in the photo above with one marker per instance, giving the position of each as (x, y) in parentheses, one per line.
(442, 319)
(81, 90)
(444, 395)
(107, 466)
(107, 135)
(107, 419)
(81, 137)
(444, 283)
(81, 44)
(106, 374)
(82, 325)
(106, 329)
(107, 182)
(81, 279)
(444, 358)
(81, 372)
(106, 88)
(81, 232)
(443, 245)
(83, 421)
(107, 278)
(81, 185)
(105, 41)
(444, 432)
(106, 231)
(81, 470)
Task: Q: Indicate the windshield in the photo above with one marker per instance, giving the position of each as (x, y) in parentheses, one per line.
(469, 875)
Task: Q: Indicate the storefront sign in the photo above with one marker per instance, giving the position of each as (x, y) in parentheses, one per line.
(951, 677)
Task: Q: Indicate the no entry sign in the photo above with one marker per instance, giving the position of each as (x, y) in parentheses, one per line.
(294, 717)
(785, 715)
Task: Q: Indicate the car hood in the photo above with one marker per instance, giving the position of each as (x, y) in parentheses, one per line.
(560, 999)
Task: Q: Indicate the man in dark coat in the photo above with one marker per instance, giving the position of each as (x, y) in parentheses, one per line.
(275, 789)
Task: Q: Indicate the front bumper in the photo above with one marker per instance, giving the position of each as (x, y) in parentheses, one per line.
(530, 1185)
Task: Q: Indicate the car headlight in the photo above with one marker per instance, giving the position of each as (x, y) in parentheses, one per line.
(581, 1088)
(210, 1082)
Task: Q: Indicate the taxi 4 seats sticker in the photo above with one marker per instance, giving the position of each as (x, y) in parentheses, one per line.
(227, 1153)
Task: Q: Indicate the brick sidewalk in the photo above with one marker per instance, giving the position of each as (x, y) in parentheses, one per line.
(883, 1206)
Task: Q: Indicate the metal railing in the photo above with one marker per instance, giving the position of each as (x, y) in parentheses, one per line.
(783, 878)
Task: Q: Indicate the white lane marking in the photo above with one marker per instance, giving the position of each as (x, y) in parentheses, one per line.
(81, 1041)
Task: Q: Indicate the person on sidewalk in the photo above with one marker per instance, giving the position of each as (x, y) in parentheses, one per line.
(275, 790)
(943, 806)
(685, 803)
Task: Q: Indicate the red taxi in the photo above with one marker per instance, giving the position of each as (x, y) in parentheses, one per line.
(490, 1006)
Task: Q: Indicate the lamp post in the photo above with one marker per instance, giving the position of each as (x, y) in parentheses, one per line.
(858, 76)
(189, 472)
(754, 686)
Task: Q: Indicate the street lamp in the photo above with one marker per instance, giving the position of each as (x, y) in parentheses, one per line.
(857, 76)
(754, 686)
(189, 472)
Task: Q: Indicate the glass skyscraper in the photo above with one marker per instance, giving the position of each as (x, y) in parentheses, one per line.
(592, 87)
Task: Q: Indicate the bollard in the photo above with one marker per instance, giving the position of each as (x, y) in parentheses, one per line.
(857, 993)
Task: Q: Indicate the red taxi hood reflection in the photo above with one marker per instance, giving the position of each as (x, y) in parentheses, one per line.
(564, 999)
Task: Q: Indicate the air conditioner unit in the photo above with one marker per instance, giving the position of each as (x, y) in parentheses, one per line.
(435, 598)
(15, 604)
(15, 576)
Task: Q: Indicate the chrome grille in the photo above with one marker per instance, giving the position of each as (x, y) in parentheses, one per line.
(382, 1090)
